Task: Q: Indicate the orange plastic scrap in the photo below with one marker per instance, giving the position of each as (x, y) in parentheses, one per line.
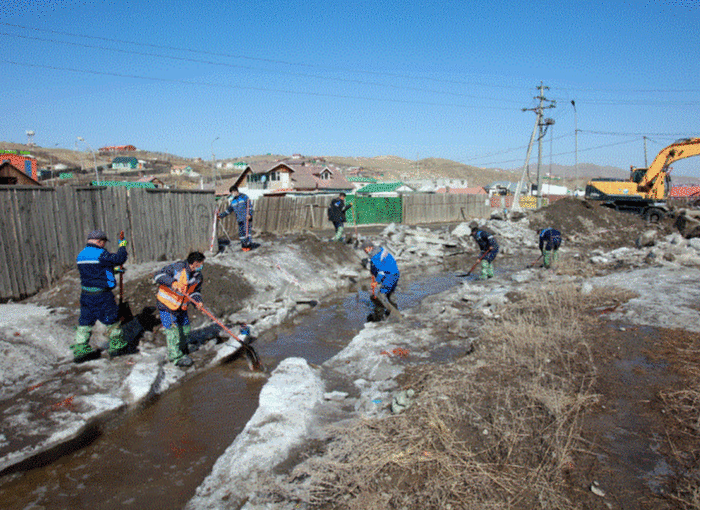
(400, 352)
(397, 352)
(29, 389)
(67, 403)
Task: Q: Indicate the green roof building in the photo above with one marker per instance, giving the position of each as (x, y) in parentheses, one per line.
(387, 189)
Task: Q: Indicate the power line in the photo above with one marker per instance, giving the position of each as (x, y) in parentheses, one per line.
(564, 153)
(613, 133)
(260, 59)
(259, 89)
(636, 102)
(251, 68)
(302, 64)
(506, 151)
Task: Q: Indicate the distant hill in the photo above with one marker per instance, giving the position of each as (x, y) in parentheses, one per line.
(385, 168)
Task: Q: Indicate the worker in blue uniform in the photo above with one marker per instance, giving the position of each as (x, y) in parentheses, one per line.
(488, 246)
(96, 267)
(241, 205)
(385, 276)
(549, 241)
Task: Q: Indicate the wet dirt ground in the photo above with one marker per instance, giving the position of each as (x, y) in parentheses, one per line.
(644, 447)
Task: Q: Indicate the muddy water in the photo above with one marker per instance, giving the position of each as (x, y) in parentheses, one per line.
(156, 457)
(629, 436)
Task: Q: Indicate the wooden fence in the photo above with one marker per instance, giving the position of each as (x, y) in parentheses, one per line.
(43, 229)
(293, 214)
(443, 207)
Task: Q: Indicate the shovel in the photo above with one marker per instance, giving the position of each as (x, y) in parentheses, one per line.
(534, 262)
(251, 355)
(473, 266)
(130, 325)
(384, 301)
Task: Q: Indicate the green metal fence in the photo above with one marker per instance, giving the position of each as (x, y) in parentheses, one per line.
(373, 210)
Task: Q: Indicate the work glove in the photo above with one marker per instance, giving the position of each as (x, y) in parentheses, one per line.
(123, 243)
(119, 269)
(221, 215)
(364, 262)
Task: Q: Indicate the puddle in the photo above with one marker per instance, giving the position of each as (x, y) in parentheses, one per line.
(156, 457)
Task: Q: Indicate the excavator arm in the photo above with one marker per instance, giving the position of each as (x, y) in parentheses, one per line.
(652, 182)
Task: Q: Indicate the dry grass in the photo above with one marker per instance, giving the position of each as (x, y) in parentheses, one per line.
(500, 435)
(682, 409)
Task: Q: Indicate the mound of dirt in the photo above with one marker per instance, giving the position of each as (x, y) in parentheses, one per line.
(572, 215)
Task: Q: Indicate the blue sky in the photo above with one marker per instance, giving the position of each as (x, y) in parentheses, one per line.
(446, 79)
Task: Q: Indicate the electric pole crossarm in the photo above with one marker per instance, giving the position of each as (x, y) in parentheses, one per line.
(542, 127)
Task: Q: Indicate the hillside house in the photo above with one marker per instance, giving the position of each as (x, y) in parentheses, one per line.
(21, 160)
(507, 188)
(388, 189)
(359, 182)
(181, 170)
(126, 163)
(11, 175)
(288, 179)
(152, 179)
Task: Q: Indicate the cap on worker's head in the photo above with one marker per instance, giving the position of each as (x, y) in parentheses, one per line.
(367, 244)
(97, 234)
(473, 226)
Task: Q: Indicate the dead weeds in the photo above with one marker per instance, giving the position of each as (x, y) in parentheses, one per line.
(499, 434)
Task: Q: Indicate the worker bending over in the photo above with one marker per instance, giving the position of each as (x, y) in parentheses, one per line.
(549, 241)
(385, 276)
(175, 281)
(488, 246)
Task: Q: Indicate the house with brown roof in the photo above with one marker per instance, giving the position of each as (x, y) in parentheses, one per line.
(151, 179)
(287, 179)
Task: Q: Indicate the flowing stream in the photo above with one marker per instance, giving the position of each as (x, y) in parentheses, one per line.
(157, 455)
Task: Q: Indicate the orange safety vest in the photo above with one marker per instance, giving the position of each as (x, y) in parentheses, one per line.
(174, 301)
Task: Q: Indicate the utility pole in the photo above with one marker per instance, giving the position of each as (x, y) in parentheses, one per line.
(541, 125)
(645, 149)
(576, 152)
(214, 164)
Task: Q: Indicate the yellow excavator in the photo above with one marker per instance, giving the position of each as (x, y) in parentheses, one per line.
(646, 191)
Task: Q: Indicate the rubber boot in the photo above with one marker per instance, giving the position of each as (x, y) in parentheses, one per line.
(118, 346)
(484, 272)
(546, 258)
(175, 354)
(490, 270)
(339, 234)
(189, 345)
(82, 351)
(394, 314)
(554, 259)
